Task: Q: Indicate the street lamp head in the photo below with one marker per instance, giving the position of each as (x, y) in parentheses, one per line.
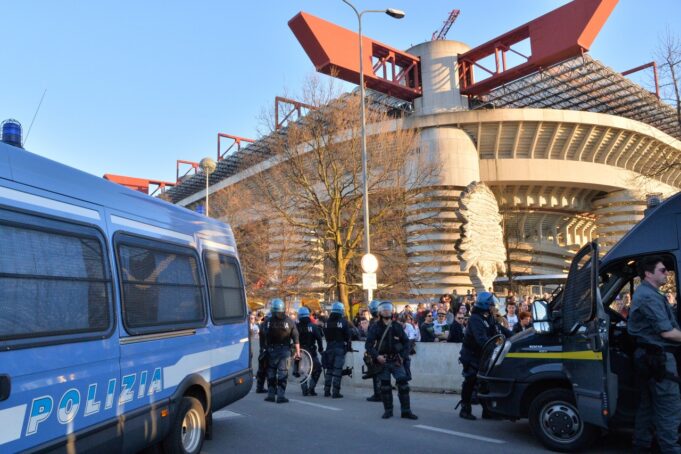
(396, 13)
(208, 165)
(369, 263)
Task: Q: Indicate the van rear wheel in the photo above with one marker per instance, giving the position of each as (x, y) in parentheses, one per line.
(188, 430)
(555, 420)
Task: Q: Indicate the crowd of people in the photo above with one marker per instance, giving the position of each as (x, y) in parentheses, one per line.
(444, 321)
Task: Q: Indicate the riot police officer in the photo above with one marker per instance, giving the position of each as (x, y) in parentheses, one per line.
(373, 310)
(388, 344)
(481, 328)
(310, 340)
(280, 331)
(337, 333)
(655, 328)
(261, 375)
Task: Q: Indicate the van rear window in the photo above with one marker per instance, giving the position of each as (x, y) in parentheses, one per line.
(161, 288)
(225, 286)
(51, 283)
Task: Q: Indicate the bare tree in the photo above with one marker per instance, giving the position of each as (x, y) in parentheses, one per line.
(669, 57)
(312, 181)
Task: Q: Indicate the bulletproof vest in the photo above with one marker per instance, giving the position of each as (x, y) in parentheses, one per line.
(279, 331)
(335, 329)
(390, 345)
(306, 331)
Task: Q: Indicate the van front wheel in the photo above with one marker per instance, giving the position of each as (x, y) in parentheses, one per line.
(555, 420)
(188, 430)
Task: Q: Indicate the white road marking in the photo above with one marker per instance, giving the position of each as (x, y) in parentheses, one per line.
(460, 434)
(225, 414)
(316, 405)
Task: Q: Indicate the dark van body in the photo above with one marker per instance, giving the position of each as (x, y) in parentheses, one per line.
(573, 375)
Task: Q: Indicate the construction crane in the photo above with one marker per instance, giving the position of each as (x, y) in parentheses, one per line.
(442, 33)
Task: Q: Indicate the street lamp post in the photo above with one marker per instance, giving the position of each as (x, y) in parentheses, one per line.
(397, 14)
(208, 166)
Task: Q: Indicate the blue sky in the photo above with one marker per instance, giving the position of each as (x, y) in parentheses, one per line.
(132, 86)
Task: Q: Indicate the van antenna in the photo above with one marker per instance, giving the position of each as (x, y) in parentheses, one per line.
(34, 115)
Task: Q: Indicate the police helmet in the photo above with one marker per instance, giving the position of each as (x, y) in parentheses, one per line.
(303, 312)
(277, 306)
(337, 308)
(385, 306)
(485, 300)
(373, 307)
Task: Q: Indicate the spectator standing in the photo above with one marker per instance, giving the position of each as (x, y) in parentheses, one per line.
(456, 329)
(420, 314)
(525, 318)
(253, 327)
(511, 317)
(363, 329)
(411, 332)
(427, 329)
(441, 327)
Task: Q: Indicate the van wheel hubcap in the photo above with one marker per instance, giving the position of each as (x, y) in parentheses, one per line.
(191, 430)
(561, 422)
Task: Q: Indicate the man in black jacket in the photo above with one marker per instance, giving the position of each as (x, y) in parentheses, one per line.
(338, 343)
(310, 340)
(280, 331)
(481, 327)
(373, 309)
(388, 345)
(261, 375)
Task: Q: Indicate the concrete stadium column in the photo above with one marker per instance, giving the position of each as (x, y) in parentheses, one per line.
(439, 77)
(617, 212)
(432, 223)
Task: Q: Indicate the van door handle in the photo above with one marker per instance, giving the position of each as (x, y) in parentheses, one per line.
(5, 387)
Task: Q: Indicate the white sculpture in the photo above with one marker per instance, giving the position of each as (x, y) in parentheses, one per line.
(480, 250)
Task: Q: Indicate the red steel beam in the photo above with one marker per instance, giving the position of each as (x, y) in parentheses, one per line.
(193, 166)
(653, 65)
(554, 37)
(139, 184)
(334, 50)
(236, 140)
(296, 106)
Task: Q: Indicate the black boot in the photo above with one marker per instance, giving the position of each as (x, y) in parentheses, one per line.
(387, 397)
(376, 396)
(466, 411)
(327, 391)
(310, 386)
(260, 388)
(306, 392)
(336, 394)
(271, 390)
(403, 394)
(281, 391)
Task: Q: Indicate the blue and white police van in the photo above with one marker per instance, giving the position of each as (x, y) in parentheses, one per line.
(122, 317)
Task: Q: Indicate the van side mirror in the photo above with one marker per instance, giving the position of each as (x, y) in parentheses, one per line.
(540, 311)
(540, 317)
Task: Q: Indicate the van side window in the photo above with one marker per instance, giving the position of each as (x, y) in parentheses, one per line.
(51, 283)
(226, 287)
(161, 288)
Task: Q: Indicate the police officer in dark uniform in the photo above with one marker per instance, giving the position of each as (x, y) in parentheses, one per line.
(481, 328)
(261, 375)
(652, 322)
(390, 351)
(310, 340)
(373, 310)
(280, 331)
(338, 343)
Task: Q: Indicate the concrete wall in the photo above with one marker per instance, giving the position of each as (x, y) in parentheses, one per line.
(435, 367)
